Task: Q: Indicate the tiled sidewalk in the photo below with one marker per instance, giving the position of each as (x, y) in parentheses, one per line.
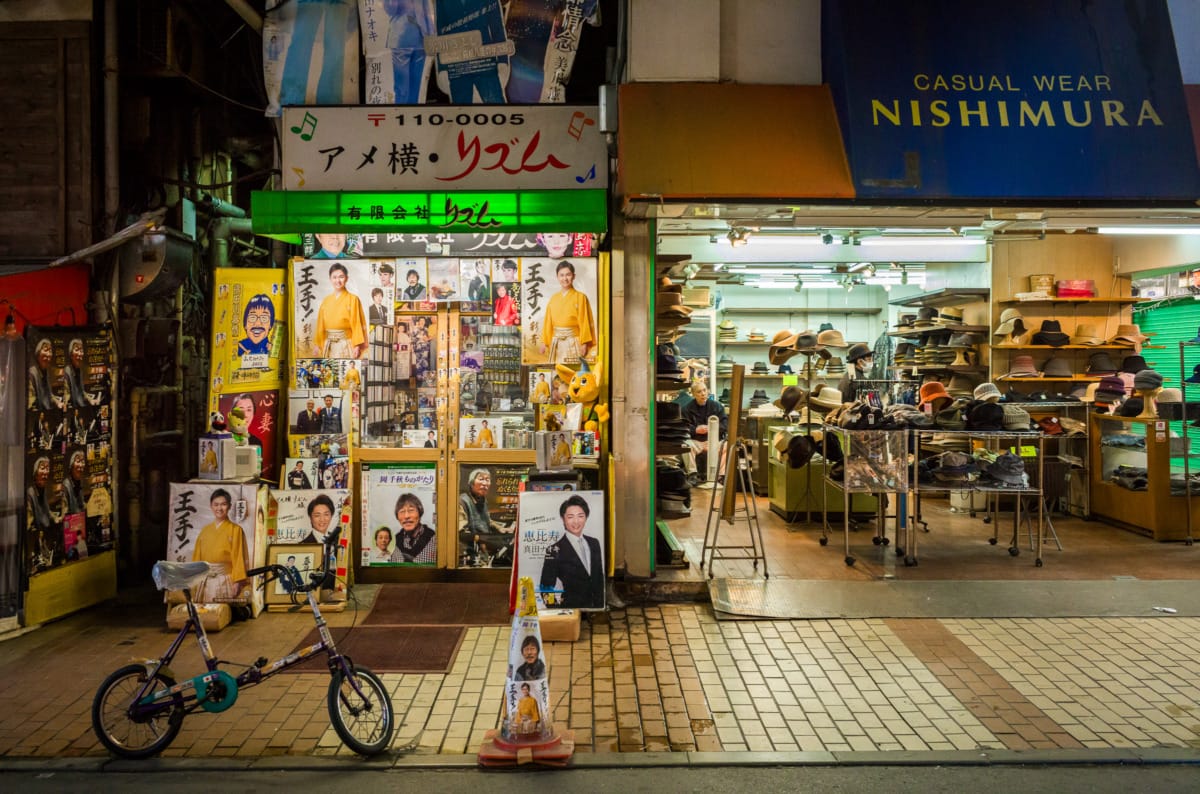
(672, 678)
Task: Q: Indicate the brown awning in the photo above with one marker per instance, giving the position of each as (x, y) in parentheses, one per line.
(711, 141)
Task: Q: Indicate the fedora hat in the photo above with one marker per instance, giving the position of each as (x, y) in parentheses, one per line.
(1129, 333)
(1056, 367)
(1087, 334)
(790, 398)
(1134, 364)
(831, 338)
(950, 315)
(672, 303)
(857, 351)
(1011, 322)
(826, 397)
(1051, 333)
(666, 285)
(806, 342)
(1100, 363)
(925, 317)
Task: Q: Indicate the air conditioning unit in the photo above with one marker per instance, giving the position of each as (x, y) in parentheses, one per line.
(166, 42)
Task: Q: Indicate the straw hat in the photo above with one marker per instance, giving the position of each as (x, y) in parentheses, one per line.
(1087, 334)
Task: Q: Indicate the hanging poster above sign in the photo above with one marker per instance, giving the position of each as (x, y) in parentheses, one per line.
(453, 148)
(1022, 99)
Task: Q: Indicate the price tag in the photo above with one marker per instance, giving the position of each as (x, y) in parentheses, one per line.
(1024, 451)
(791, 380)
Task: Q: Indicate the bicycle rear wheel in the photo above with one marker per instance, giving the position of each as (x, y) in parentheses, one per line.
(130, 736)
(364, 722)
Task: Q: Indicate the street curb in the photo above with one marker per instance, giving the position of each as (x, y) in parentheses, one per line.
(1131, 756)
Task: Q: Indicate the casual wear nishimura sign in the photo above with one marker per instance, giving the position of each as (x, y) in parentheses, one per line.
(1015, 99)
(452, 148)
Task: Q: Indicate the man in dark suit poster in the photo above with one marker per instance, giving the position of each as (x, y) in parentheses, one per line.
(308, 421)
(575, 562)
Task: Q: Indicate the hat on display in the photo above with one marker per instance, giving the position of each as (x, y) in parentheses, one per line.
(1022, 367)
(806, 342)
(1195, 376)
(831, 338)
(950, 419)
(1050, 425)
(1051, 333)
(727, 325)
(666, 285)
(825, 327)
(962, 385)
(986, 415)
(755, 335)
(1130, 334)
(955, 466)
(1072, 427)
(672, 303)
(1015, 418)
(857, 351)
(905, 322)
(1101, 363)
(950, 315)
(1089, 394)
(1057, 368)
(760, 368)
(934, 390)
(1110, 388)
(1147, 379)
(1087, 334)
(799, 451)
(835, 367)
(785, 369)
(790, 398)
(925, 317)
(1011, 322)
(826, 397)
(758, 398)
(1134, 364)
(1131, 407)
(987, 392)
(1007, 468)
(783, 347)
(1170, 395)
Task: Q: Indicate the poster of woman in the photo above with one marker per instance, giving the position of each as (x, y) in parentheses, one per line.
(558, 320)
(399, 511)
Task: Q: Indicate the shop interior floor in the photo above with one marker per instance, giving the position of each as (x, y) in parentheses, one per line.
(954, 547)
(809, 599)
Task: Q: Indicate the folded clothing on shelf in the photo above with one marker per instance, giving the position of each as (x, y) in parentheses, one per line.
(1132, 477)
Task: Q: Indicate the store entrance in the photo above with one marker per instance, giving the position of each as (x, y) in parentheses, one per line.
(446, 417)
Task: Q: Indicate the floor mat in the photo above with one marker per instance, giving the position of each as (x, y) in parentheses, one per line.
(440, 604)
(390, 649)
(734, 599)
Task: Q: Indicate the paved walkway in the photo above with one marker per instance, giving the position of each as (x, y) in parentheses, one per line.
(673, 679)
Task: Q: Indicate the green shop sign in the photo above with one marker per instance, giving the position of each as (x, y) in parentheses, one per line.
(291, 212)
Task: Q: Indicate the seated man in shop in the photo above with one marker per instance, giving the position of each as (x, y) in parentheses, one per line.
(696, 414)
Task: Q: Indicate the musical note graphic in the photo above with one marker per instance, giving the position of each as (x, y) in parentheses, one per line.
(588, 176)
(299, 173)
(579, 121)
(309, 124)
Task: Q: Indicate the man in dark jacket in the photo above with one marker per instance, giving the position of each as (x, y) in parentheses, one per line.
(696, 414)
(575, 560)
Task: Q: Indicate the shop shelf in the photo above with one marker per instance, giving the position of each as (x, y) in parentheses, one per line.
(1066, 347)
(1123, 301)
(792, 310)
(945, 297)
(957, 329)
(1072, 379)
(969, 368)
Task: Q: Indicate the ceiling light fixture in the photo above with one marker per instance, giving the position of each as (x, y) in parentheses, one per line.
(738, 236)
(1171, 230)
(918, 241)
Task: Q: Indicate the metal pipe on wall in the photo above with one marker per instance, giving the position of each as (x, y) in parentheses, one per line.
(112, 144)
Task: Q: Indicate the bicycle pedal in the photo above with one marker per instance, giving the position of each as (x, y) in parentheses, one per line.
(261, 662)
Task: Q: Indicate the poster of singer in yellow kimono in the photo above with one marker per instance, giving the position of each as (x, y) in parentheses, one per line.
(328, 312)
(558, 310)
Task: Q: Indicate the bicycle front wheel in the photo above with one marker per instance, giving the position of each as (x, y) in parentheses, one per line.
(131, 734)
(365, 722)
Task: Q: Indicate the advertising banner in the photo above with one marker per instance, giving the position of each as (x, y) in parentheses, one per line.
(224, 525)
(399, 510)
(561, 547)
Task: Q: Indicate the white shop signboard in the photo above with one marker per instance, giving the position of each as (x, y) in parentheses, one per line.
(451, 147)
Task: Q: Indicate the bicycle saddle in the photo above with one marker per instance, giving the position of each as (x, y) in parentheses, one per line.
(178, 575)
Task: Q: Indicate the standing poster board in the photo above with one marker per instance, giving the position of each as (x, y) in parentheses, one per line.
(561, 547)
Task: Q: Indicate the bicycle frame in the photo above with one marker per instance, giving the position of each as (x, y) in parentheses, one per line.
(146, 703)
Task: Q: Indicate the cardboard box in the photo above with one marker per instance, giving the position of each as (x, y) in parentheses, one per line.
(213, 617)
(559, 625)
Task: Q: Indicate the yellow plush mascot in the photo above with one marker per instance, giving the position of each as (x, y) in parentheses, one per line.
(583, 387)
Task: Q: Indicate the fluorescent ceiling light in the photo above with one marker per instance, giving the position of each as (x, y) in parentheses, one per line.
(780, 271)
(791, 285)
(915, 241)
(763, 238)
(1149, 230)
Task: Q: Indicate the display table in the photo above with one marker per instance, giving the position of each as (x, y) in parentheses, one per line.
(1154, 511)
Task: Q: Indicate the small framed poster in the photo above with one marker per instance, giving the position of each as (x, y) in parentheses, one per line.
(300, 559)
